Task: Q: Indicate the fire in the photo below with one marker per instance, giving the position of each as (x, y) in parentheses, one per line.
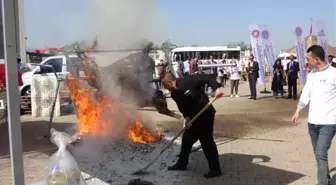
(138, 134)
(95, 114)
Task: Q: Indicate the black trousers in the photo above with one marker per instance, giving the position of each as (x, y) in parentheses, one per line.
(201, 130)
(292, 86)
(253, 85)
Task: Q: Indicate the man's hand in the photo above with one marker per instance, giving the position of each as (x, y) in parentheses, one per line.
(219, 93)
(295, 118)
(187, 122)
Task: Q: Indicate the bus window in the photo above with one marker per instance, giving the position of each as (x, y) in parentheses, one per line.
(218, 56)
(202, 55)
(225, 54)
(234, 54)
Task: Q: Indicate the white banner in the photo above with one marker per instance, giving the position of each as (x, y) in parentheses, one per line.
(300, 52)
(322, 36)
(257, 51)
(268, 47)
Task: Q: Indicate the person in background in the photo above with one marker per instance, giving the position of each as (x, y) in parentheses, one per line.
(156, 78)
(252, 70)
(225, 72)
(194, 67)
(292, 71)
(234, 79)
(330, 61)
(278, 79)
(221, 75)
(243, 65)
(180, 66)
(210, 71)
(319, 93)
(165, 63)
(186, 67)
(19, 63)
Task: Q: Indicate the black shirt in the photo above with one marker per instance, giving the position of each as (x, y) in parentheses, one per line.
(190, 94)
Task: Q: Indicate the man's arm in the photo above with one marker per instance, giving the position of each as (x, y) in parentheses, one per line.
(198, 81)
(256, 68)
(305, 96)
(297, 67)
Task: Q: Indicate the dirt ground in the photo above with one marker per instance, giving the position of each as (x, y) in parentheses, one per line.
(265, 121)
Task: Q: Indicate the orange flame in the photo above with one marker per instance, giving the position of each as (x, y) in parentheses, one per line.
(95, 114)
(138, 134)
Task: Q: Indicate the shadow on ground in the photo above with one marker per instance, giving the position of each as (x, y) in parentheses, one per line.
(333, 173)
(248, 169)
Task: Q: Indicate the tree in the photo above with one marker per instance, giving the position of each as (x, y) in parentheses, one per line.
(167, 45)
(243, 46)
(232, 44)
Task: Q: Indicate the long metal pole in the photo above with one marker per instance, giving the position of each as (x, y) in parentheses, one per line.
(21, 31)
(13, 98)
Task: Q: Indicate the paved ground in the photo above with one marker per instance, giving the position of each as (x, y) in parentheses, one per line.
(257, 144)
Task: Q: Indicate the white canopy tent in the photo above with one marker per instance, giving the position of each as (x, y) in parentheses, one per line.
(12, 44)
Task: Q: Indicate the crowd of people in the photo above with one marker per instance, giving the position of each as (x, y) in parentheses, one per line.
(191, 67)
(281, 76)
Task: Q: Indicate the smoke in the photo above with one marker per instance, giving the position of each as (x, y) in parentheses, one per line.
(120, 25)
(125, 24)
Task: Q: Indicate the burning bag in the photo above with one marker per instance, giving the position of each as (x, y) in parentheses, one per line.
(62, 168)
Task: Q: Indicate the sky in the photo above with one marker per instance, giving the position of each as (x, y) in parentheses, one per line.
(184, 22)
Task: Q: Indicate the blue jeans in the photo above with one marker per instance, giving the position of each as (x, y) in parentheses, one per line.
(321, 138)
(157, 85)
(275, 93)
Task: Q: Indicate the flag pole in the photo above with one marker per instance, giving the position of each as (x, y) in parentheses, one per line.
(311, 26)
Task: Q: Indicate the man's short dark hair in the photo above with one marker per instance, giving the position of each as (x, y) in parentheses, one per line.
(168, 77)
(317, 51)
(331, 56)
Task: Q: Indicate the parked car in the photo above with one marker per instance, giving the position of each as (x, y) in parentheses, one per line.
(57, 62)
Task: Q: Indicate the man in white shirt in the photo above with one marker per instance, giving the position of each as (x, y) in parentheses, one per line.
(186, 67)
(320, 93)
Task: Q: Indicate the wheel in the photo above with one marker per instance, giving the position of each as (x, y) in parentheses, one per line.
(26, 91)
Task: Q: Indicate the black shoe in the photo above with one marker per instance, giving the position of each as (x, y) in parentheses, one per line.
(212, 174)
(177, 167)
(295, 98)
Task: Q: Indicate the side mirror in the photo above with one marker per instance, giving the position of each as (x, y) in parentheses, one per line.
(38, 69)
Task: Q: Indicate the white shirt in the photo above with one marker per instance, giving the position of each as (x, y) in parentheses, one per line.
(156, 74)
(240, 68)
(186, 66)
(221, 74)
(176, 68)
(234, 73)
(320, 93)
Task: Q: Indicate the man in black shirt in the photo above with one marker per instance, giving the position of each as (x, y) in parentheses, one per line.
(189, 95)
